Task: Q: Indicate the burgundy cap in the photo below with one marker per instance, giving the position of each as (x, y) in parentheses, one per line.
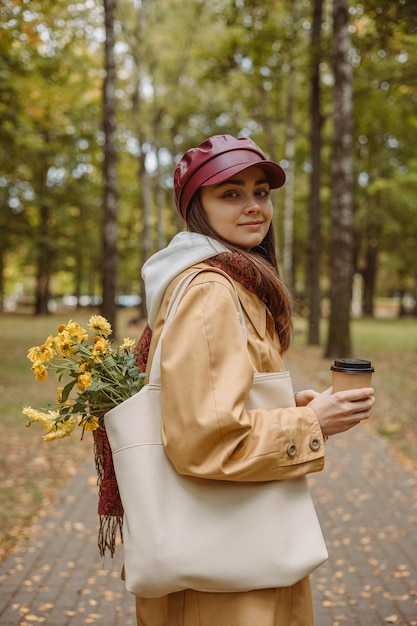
(217, 159)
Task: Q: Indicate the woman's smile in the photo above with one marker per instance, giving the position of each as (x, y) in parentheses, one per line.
(253, 225)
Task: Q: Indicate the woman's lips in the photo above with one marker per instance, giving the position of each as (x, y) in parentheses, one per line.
(252, 224)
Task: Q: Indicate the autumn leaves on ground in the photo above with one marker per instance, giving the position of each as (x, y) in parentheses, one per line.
(31, 471)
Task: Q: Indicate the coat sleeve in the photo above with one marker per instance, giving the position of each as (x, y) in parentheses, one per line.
(206, 376)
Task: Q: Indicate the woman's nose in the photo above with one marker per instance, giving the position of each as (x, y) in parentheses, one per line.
(252, 205)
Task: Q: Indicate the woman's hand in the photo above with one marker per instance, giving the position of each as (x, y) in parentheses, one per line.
(302, 398)
(340, 411)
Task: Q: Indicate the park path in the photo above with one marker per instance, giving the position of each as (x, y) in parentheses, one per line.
(367, 503)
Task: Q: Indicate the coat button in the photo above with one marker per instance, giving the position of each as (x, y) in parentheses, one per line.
(314, 443)
(292, 450)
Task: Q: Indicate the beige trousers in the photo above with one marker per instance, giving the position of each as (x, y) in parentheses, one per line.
(286, 606)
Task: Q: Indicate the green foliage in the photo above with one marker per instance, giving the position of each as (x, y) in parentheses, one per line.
(51, 170)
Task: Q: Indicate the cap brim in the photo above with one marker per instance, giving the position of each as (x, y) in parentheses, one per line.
(274, 173)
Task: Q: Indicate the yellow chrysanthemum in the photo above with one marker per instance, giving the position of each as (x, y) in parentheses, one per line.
(34, 415)
(40, 372)
(89, 422)
(128, 344)
(33, 352)
(43, 353)
(64, 343)
(84, 381)
(58, 430)
(49, 419)
(101, 346)
(100, 325)
(52, 428)
(75, 330)
(91, 363)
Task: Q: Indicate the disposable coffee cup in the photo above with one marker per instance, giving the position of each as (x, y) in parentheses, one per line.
(351, 374)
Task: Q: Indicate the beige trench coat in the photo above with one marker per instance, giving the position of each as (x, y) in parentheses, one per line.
(206, 373)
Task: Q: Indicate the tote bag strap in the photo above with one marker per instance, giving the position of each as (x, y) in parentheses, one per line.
(154, 375)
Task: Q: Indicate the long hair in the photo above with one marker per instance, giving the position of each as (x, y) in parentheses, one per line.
(264, 265)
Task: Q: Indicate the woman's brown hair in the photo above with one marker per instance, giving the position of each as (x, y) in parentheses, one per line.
(264, 264)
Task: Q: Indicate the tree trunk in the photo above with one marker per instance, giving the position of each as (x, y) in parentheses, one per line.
(137, 50)
(161, 213)
(414, 311)
(288, 225)
(43, 267)
(341, 229)
(110, 226)
(314, 237)
(161, 235)
(369, 276)
(145, 203)
(3, 242)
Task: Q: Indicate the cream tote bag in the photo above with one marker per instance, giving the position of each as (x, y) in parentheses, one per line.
(182, 532)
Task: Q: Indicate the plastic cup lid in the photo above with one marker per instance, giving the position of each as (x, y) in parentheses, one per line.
(352, 366)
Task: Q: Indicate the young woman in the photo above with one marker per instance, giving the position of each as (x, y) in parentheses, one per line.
(222, 190)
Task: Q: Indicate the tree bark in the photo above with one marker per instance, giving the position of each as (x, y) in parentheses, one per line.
(146, 243)
(341, 229)
(369, 276)
(314, 212)
(288, 226)
(3, 244)
(288, 222)
(43, 236)
(43, 263)
(136, 37)
(110, 202)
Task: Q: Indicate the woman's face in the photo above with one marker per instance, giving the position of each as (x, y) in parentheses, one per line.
(240, 208)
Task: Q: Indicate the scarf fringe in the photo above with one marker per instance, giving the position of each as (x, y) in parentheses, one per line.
(110, 508)
(110, 527)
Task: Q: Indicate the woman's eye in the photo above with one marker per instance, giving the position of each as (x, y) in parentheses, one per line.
(236, 193)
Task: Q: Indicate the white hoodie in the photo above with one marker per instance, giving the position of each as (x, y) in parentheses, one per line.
(186, 249)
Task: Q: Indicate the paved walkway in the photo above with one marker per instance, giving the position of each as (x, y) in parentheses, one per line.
(366, 501)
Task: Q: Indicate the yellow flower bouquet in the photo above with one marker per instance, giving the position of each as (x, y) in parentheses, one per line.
(96, 377)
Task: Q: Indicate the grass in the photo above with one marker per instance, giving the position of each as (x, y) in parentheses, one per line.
(391, 345)
(31, 470)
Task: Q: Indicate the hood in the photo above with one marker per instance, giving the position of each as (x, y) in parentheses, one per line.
(186, 249)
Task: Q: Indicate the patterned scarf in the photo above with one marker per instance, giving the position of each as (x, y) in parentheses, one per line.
(110, 508)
